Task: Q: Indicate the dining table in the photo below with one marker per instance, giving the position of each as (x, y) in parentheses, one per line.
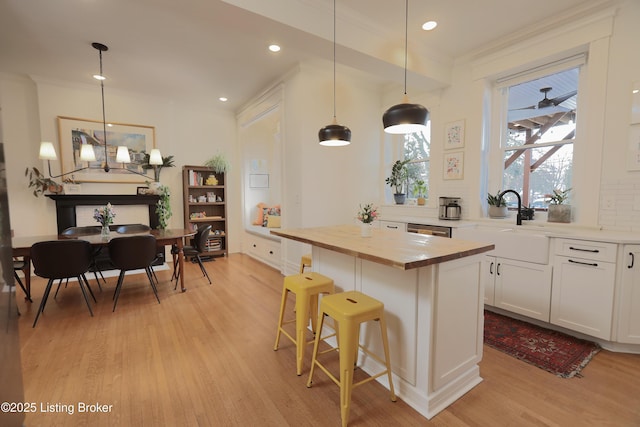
(21, 247)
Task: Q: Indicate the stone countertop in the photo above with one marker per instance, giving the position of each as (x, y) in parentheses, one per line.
(551, 229)
(399, 250)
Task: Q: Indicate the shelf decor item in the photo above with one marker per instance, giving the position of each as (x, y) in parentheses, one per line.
(218, 163)
(104, 215)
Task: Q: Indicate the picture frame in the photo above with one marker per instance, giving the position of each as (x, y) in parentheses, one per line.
(453, 165)
(143, 191)
(454, 135)
(74, 131)
(259, 180)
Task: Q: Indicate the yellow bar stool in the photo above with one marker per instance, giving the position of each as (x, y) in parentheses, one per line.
(306, 287)
(305, 261)
(350, 310)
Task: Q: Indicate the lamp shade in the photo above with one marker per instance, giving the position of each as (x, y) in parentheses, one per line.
(334, 135)
(155, 158)
(47, 152)
(86, 153)
(405, 118)
(122, 155)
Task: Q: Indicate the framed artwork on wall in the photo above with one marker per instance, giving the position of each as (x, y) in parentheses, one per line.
(454, 165)
(72, 132)
(454, 135)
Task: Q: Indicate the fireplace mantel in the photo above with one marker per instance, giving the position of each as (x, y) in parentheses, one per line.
(66, 205)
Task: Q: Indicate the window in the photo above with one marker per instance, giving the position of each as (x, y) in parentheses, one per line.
(416, 147)
(538, 135)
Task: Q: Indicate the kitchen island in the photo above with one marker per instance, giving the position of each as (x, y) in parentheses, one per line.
(433, 299)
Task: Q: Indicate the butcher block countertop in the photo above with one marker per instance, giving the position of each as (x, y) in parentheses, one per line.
(400, 250)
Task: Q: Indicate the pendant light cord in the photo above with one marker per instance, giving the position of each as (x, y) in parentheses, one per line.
(334, 60)
(406, 38)
(104, 120)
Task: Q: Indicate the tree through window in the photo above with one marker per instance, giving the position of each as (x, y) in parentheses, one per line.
(539, 136)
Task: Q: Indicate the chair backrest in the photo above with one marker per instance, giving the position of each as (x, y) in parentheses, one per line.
(133, 252)
(200, 239)
(81, 231)
(59, 259)
(132, 228)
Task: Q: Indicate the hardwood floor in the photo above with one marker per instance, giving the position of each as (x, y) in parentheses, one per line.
(205, 358)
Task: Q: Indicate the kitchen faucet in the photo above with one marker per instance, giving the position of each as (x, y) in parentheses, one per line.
(519, 216)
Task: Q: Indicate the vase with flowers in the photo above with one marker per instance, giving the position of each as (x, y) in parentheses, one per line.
(104, 215)
(366, 215)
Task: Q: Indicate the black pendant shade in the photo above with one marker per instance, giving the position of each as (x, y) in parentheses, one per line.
(334, 135)
(405, 118)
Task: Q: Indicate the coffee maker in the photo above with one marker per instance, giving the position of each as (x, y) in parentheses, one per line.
(450, 208)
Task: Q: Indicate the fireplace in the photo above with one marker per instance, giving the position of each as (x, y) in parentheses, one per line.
(66, 205)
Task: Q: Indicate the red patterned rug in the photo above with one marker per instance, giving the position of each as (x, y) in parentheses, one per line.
(552, 351)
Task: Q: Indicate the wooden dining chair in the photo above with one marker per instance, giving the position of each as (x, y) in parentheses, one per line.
(133, 253)
(62, 259)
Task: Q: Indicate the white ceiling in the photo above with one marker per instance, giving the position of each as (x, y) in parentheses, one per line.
(198, 50)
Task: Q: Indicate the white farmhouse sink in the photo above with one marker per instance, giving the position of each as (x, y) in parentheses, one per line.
(512, 243)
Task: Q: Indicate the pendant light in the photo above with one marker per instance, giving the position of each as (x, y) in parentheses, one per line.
(87, 154)
(405, 117)
(334, 135)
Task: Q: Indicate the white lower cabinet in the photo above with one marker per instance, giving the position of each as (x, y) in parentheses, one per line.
(393, 225)
(264, 249)
(584, 275)
(517, 286)
(629, 313)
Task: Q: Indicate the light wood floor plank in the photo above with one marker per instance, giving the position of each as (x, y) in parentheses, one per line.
(205, 358)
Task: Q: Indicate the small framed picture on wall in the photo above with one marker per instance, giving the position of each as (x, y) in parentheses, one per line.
(454, 135)
(454, 165)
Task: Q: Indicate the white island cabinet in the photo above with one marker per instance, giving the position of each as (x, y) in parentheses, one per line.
(433, 296)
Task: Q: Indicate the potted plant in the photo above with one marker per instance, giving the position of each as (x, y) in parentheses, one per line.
(420, 191)
(167, 162)
(218, 163)
(163, 207)
(527, 212)
(558, 211)
(497, 205)
(40, 183)
(398, 179)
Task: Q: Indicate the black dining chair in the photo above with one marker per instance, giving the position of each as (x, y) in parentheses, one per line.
(142, 228)
(18, 265)
(132, 228)
(62, 259)
(133, 253)
(96, 251)
(199, 246)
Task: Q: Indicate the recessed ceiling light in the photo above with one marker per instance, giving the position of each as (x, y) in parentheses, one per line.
(635, 91)
(429, 25)
(99, 77)
(274, 48)
(223, 99)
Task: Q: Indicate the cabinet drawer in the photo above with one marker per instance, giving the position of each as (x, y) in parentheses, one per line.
(586, 249)
(393, 226)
